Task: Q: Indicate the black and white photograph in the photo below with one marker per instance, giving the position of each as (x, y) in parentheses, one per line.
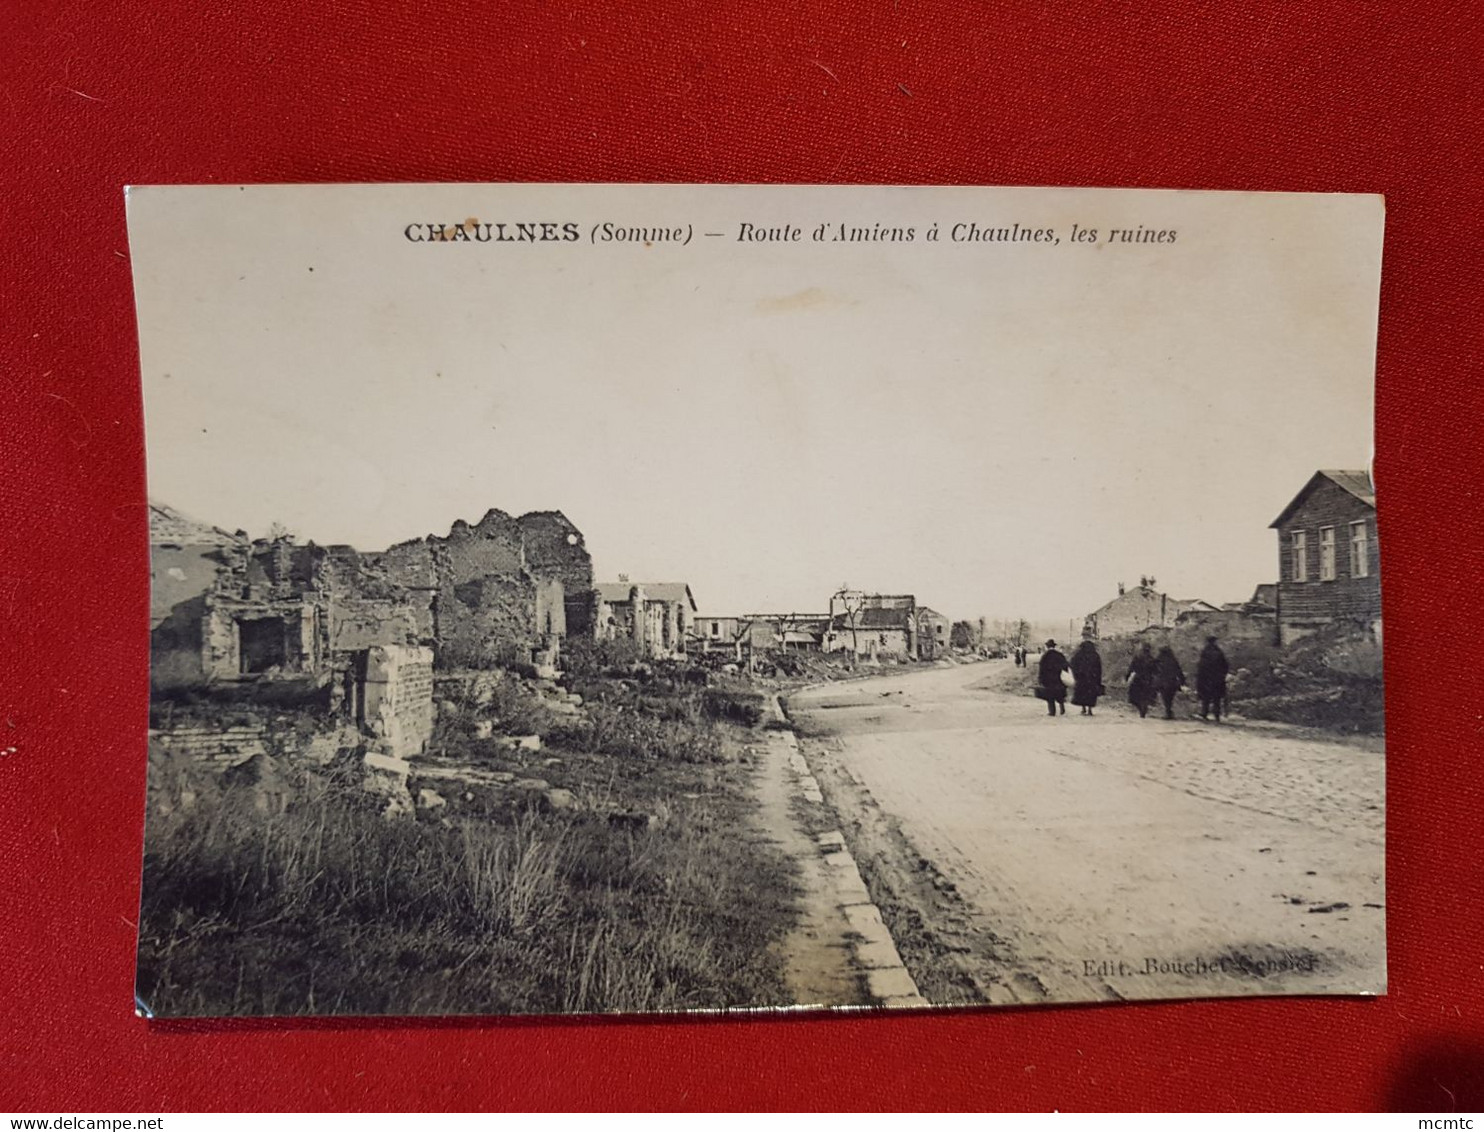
(579, 599)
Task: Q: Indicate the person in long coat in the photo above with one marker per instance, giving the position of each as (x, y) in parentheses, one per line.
(1141, 673)
(1210, 679)
(1053, 691)
(1087, 670)
(1169, 678)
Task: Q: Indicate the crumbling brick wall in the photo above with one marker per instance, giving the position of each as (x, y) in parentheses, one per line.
(1228, 624)
(556, 549)
(499, 587)
(216, 745)
(358, 623)
(399, 697)
(181, 578)
(487, 620)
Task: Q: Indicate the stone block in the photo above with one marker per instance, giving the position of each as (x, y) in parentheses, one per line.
(850, 889)
(864, 919)
(389, 764)
(832, 841)
(558, 799)
(531, 784)
(876, 953)
(890, 983)
(430, 799)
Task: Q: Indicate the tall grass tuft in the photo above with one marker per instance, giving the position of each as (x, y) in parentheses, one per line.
(329, 907)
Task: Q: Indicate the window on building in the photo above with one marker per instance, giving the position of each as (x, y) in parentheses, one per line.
(1326, 554)
(716, 628)
(1300, 566)
(264, 644)
(1360, 551)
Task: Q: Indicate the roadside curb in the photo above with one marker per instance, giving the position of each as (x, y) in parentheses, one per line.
(875, 952)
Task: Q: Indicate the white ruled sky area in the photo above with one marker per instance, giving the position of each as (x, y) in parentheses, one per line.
(1003, 429)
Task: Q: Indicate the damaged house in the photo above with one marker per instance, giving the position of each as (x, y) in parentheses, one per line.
(269, 620)
(760, 632)
(656, 616)
(504, 590)
(1137, 608)
(358, 633)
(874, 625)
(933, 630)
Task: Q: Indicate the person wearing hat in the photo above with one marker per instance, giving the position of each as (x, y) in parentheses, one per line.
(1210, 679)
(1053, 691)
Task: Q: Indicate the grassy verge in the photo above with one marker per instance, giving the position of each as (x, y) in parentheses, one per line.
(493, 902)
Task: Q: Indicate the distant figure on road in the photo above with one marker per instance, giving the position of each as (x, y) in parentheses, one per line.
(1087, 670)
(1210, 679)
(1053, 664)
(1169, 678)
(1141, 676)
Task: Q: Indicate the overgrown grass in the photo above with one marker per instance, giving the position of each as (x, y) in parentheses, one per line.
(630, 734)
(328, 907)
(654, 894)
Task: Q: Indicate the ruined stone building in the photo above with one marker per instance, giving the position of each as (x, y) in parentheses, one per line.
(272, 621)
(555, 549)
(874, 625)
(933, 631)
(1136, 609)
(656, 616)
(712, 633)
(1255, 619)
(505, 590)
(759, 632)
(1328, 559)
(187, 557)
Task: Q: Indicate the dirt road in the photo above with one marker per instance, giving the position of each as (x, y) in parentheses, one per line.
(1019, 858)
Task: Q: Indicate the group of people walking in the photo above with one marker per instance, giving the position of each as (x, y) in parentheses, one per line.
(1152, 677)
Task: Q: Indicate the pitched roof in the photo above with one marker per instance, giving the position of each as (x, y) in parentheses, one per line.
(653, 591)
(1266, 594)
(876, 619)
(1357, 484)
(170, 527)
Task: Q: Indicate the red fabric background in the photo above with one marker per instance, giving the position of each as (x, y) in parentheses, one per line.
(1327, 95)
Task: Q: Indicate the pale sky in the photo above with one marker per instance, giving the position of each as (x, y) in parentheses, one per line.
(1001, 429)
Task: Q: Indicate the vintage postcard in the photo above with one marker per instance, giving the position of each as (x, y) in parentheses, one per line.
(589, 598)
